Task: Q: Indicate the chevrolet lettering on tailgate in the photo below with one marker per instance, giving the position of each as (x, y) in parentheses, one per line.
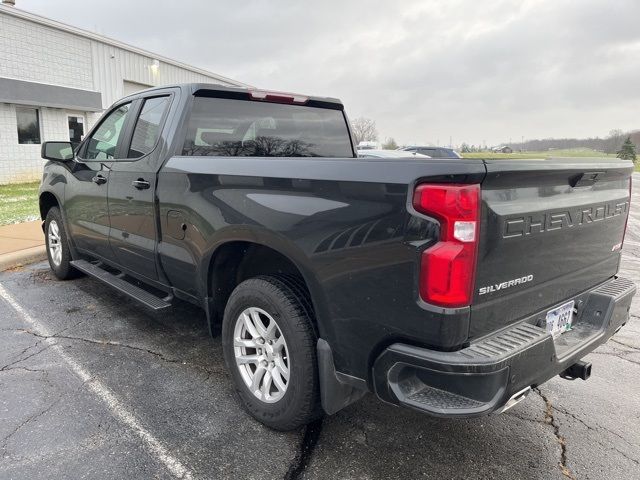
(547, 222)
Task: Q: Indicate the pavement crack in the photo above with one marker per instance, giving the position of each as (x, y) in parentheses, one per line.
(550, 420)
(597, 428)
(621, 356)
(69, 327)
(305, 452)
(25, 350)
(107, 343)
(22, 359)
(624, 344)
(6, 439)
(628, 360)
(524, 419)
(34, 370)
(110, 343)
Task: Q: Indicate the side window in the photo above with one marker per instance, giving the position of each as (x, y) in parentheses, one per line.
(148, 125)
(103, 142)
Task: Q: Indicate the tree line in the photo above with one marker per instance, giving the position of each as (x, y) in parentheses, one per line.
(617, 142)
(609, 144)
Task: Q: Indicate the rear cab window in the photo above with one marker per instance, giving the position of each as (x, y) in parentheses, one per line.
(245, 128)
(148, 126)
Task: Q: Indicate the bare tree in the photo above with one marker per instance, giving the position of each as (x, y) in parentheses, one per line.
(614, 141)
(390, 144)
(364, 130)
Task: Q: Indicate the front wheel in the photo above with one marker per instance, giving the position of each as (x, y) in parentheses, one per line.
(270, 348)
(57, 245)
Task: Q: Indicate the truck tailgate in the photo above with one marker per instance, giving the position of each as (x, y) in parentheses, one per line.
(550, 229)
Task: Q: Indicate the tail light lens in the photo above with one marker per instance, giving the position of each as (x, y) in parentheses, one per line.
(447, 271)
(626, 222)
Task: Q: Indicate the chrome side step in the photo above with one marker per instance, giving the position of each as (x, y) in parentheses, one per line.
(149, 300)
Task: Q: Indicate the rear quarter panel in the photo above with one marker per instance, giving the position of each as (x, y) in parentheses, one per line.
(344, 222)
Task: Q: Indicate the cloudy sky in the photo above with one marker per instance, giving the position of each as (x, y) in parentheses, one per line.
(424, 70)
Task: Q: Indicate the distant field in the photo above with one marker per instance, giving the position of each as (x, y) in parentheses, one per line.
(569, 152)
(18, 203)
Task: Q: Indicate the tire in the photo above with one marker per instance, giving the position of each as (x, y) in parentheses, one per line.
(266, 299)
(57, 246)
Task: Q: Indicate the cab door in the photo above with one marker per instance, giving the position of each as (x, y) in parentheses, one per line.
(132, 185)
(86, 206)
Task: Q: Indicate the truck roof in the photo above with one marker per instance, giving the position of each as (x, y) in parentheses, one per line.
(195, 88)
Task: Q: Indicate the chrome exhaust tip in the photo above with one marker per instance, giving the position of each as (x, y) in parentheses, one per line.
(514, 400)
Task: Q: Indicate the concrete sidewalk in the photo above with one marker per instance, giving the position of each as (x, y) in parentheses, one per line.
(20, 244)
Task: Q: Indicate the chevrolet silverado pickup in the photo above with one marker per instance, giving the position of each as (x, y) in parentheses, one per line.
(450, 286)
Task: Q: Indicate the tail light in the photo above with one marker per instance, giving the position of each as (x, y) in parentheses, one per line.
(447, 271)
(626, 222)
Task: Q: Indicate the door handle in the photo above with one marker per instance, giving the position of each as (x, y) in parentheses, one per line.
(141, 184)
(99, 179)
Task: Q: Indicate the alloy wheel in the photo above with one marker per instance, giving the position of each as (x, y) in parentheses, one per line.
(54, 243)
(261, 354)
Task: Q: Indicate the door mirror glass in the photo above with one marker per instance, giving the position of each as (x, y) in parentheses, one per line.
(57, 151)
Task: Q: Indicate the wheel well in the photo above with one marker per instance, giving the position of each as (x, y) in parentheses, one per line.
(235, 262)
(47, 200)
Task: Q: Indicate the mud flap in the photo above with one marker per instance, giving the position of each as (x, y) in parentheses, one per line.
(335, 393)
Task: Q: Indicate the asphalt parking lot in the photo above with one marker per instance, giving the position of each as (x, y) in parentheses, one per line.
(93, 386)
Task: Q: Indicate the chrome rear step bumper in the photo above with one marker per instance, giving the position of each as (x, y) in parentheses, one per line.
(497, 372)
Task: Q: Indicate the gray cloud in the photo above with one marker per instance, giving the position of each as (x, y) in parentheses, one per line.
(424, 69)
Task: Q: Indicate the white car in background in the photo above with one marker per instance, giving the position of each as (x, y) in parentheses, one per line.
(379, 153)
(433, 152)
(368, 146)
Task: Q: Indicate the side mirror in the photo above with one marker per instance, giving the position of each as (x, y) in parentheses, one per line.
(57, 151)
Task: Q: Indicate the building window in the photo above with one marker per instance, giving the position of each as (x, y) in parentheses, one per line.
(76, 129)
(28, 125)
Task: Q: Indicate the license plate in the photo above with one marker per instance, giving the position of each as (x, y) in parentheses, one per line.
(559, 319)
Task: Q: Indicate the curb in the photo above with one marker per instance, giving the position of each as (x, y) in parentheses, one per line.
(22, 257)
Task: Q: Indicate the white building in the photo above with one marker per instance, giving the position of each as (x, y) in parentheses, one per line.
(56, 79)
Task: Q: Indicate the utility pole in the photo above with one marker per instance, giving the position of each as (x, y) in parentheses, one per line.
(450, 142)
(522, 149)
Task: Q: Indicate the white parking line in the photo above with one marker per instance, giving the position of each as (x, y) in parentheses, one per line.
(117, 408)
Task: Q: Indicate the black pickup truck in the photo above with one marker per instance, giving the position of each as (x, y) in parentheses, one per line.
(451, 286)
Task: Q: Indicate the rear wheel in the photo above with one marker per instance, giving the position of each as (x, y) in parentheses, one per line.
(269, 347)
(57, 245)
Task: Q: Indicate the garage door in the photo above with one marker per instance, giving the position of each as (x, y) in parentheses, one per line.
(133, 87)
